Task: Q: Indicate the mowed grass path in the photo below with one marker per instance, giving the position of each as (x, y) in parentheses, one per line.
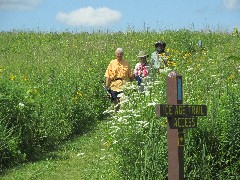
(85, 157)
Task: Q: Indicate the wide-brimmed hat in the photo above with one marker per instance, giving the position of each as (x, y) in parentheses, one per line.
(141, 54)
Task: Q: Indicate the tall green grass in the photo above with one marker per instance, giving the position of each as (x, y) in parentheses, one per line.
(210, 76)
(51, 90)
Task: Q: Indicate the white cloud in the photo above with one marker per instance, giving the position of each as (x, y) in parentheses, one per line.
(89, 17)
(18, 4)
(232, 4)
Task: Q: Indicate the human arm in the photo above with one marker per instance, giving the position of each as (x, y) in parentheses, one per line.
(131, 74)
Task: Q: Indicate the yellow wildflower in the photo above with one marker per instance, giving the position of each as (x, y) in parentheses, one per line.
(187, 55)
(35, 91)
(172, 63)
(107, 144)
(12, 77)
(162, 54)
(204, 52)
(75, 98)
(231, 77)
(163, 123)
(24, 78)
(79, 93)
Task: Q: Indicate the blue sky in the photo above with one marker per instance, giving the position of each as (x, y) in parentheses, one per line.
(122, 15)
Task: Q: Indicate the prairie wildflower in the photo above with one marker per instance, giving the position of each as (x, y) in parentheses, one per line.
(190, 69)
(21, 105)
(80, 154)
(106, 144)
(172, 63)
(75, 98)
(108, 111)
(12, 77)
(231, 77)
(24, 78)
(186, 55)
(35, 91)
(151, 104)
(163, 123)
(101, 158)
(79, 93)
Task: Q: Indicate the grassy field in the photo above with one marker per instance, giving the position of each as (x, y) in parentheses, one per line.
(51, 94)
(84, 157)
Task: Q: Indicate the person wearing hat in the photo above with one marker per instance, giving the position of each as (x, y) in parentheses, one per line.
(117, 74)
(158, 58)
(141, 68)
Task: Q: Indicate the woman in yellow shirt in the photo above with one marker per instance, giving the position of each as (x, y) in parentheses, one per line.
(117, 74)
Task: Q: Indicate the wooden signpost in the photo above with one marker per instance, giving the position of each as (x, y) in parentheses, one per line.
(179, 117)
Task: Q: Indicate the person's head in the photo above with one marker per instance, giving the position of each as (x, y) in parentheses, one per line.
(160, 46)
(142, 56)
(119, 53)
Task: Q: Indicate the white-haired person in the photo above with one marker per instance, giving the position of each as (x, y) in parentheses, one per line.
(117, 74)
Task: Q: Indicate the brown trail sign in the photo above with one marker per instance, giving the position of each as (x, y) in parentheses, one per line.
(183, 116)
(179, 117)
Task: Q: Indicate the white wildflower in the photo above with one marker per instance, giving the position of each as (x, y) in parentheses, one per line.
(121, 112)
(120, 95)
(165, 70)
(127, 116)
(146, 124)
(135, 94)
(136, 115)
(156, 82)
(149, 86)
(141, 122)
(151, 104)
(80, 154)
(101, 158)
(190, 69)
(120, 119)
(108, 111)
(21, 105)
(115, 127)
(147, 93)
(124, 101)
(115, 142)
(127, 86)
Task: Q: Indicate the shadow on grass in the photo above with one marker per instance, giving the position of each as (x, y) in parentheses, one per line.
(50, 151)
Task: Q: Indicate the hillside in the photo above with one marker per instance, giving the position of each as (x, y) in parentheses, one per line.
(51, 93)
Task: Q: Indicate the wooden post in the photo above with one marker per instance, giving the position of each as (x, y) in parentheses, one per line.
(179, 117)
(175, 146)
